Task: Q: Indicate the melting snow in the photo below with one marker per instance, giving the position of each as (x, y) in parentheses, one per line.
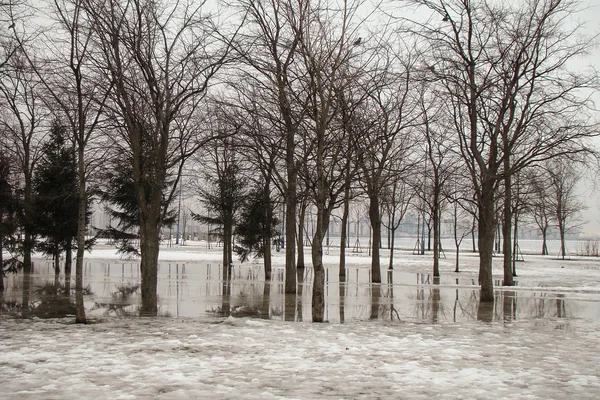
(244, 358)
(231, 358)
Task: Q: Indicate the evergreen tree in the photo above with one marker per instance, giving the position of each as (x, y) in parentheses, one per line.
(120, 193)
(8, 222)
(222, 197)
(257, 224)
(56, 196)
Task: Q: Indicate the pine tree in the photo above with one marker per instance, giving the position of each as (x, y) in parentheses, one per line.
(8, 223)
(257, 224)
(120, 194)
(222, 197)
(56, 196)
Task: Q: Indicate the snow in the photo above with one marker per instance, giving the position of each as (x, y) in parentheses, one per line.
(244, 358)
(531, 354)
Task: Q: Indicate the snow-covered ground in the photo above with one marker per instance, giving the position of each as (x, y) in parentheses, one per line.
(541, 339)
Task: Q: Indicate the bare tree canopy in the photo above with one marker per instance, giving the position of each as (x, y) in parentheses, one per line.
(504, 70)
(160, 59)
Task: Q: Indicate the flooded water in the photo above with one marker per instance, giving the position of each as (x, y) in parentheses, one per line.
(197, 290)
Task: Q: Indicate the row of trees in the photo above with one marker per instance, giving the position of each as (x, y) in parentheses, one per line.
(317, 102)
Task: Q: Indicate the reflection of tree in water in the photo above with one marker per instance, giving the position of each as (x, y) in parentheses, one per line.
(121, 304)
(244, 310)
(342, 298)
(430, 307)
(543, 306)
(9, 308)
(485, 311)
(436, 306)
(465, 309)
(561, 309)
(510, 306)
(45, 301)
(375, 296)
(389, 309)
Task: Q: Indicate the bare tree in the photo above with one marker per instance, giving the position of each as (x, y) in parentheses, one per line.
(440, 164)
(540, 203)
(389, 136)
(270, 48)
(72, 91)
(21, 124)
(13, 17)
(262, 145)
(504, 70)
(160, 59)
(520, 205)
(461, 223)
(326, 48)
(396, 202)
(222, 187)
(567, 207)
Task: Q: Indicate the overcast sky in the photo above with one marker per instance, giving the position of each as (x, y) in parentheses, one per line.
(591, 18)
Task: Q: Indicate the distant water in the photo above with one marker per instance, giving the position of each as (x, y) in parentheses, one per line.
(197, 290)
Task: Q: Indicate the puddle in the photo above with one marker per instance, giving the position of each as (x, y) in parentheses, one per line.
(196, 290)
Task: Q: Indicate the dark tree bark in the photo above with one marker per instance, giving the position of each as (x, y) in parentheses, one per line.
(68, 267)
(506, 232)
(1, 246)
(160, 80)
(485, 243)
(20, 93)
(267, 239)
(563, 198)
(529, 101)
(344, 233)
(375, 218)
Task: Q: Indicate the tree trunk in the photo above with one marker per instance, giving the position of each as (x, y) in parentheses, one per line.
(81, 214)
(342, 301)
(392, 233)
(27, 250)
(486, 232)
(515, 248)
(290, 211)
(68, 266)
(318, 293)
(267, 231)
(456, 268)
(149, 248)
(506, 233)
(389, 231)
(435, 304)
(375, 217)
(344, 234)
(436, 230)
(227, 247)
(56, 268)
(26, 293)
(563, 246)
(375, 296)
(544, 243)
(474, 224)
(225, 254)
(226, 301)
(290, 237)
(455, 234)
(428, 237)
(1, 258)
(300, 237)
(267, 261)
